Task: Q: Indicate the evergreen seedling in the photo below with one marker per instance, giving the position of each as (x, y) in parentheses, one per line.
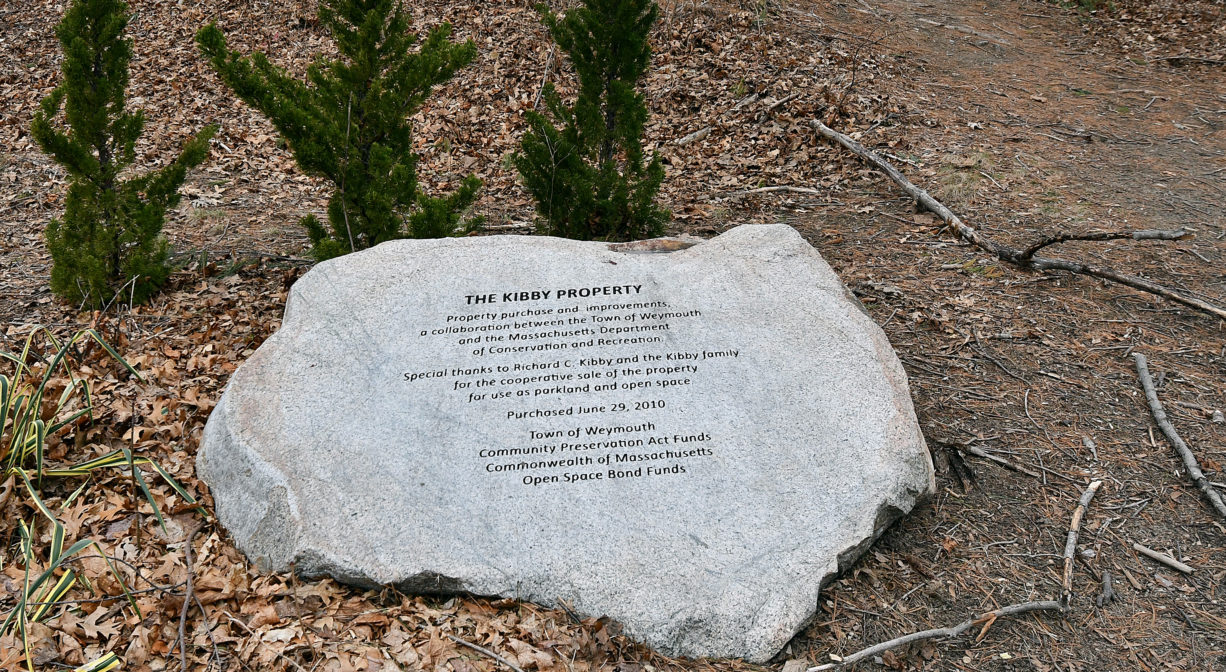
(110, 238)
(589, 177)
(349, 121)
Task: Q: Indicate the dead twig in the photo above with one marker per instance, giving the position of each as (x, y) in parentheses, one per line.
(132, 477)
(978, 347)
(1007, 253)
(985, 619)
(1178, 234)
(1162, 557)
(187, 597)
(945, 633)
(977, 452)
(536, 103)
(780, 103)
(1185, 453)
(1190, 59)
(1070, 544)
(768, 190)
(695, 136)
(483, 650)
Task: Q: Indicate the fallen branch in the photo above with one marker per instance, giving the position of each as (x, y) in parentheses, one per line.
(483, 650)
(1012, 255)
(1162, 557)
(946, 633)
(1185, 453)
(1070, 544)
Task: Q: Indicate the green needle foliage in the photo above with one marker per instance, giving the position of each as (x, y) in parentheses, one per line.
(588, 177)
(349, 121)
(110, 239)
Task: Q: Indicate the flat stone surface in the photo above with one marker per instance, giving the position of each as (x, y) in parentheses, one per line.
(687, 438)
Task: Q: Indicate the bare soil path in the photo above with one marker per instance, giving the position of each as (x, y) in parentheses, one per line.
(1026, 127)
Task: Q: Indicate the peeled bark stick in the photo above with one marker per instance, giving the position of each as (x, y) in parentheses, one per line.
(954, 631)
(1162, 557)
(1070, 544)
(1006, 253)
(1185, 453)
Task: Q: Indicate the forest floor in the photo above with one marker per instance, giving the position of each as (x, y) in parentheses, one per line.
(1026, 118)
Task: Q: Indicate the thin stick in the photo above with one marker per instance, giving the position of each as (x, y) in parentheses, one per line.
(979, 348)
(212, 640)
(1162, 557)
(978, 452)
(1149, 234)
(544, 77)
(780, 103)
(954, 631)
(132, 474)
(482, 649)
(187, 597)
(1185, 453)
(1070, 544)
(768, 190)
(695, 136)
(1006, 253)
(1191, 59)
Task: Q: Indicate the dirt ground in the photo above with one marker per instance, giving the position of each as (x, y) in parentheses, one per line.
(1025, 118)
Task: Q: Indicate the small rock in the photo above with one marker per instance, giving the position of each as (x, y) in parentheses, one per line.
(795, 665)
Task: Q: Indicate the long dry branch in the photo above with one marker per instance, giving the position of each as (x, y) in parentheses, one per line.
(945, 633)
(1013, 255)
(1185, 453)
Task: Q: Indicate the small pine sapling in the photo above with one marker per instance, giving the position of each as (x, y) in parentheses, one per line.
(349, 122)
(588, 173)
(110, 239)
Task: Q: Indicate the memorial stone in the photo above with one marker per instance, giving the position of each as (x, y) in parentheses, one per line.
(688, 438)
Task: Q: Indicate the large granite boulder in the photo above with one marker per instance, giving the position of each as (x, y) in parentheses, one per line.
(688, 438)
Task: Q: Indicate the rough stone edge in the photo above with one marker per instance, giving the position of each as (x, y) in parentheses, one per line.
(889, 511)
